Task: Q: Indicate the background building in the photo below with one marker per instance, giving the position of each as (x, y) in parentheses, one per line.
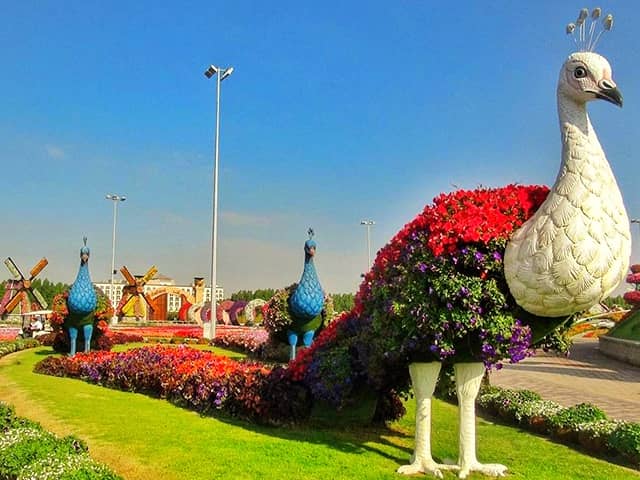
(166, 297)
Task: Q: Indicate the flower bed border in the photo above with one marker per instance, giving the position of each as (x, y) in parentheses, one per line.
(581, 425)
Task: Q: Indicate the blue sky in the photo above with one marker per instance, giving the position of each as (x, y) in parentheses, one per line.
(335, 113)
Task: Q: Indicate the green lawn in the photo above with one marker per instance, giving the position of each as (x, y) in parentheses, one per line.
(629, 329)
(142, 438)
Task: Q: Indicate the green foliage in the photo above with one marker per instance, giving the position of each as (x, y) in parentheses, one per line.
(47, 288)
(628, 328)
(626, 439)
(571, 417)
(342, 302)
(248, 295)
(17, 345)
(616, 301)
(28, 451)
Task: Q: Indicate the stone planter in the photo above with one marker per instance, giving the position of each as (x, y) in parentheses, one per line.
(597, 444)
(627, 351)
(566, 435)
(538, 424)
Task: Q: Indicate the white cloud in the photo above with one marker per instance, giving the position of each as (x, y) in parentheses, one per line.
(55, 152)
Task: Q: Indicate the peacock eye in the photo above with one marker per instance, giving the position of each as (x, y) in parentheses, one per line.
(580, 72)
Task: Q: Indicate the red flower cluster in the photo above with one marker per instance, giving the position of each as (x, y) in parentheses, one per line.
(457, 219)
(194, 378)
(633, 297)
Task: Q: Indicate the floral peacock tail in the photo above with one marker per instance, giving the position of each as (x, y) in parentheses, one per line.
(436, 291)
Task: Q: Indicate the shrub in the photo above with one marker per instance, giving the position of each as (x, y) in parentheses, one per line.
(16, 345)
(626, 440)
(571, 417)
(29, 452)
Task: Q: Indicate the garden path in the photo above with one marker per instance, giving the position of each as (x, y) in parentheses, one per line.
(586, 375)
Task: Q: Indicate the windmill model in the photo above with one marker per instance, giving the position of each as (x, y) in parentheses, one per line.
(18, 288)
(133, 291)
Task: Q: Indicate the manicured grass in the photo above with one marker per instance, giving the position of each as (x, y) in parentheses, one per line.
(629, 329)
(209, 348)
(141, 437)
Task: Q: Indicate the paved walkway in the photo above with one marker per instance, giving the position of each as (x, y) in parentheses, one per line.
(585, 376)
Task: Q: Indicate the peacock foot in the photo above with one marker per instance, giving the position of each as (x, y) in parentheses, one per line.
(490, 469)
(426, 466)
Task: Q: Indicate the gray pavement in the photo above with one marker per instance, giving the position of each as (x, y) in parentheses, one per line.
(586, 375)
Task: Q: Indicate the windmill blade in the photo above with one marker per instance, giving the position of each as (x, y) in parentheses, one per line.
(126, 304)
(13, 268)
(127, 275)
(148, 302)
(13, 303)
(150, 274)
(38, 268)
(40, 299)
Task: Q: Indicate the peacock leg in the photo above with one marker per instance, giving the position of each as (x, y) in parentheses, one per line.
(424, 377)
(307, 338)
(293, 341)
(468, 380)
(87, 330)
(73, 338)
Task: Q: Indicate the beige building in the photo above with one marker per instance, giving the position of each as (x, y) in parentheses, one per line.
(165, 295)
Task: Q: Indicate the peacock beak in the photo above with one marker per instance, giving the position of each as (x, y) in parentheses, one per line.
(610, 93)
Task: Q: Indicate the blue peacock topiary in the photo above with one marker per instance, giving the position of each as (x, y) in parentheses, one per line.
(296, 311)
(81, 303)
(307, 300)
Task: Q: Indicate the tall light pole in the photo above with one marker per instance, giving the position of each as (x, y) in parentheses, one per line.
(636, 220)
(222, 73)
(368, 224)
(115, 199)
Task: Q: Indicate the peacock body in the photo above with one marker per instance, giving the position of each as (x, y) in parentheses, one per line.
(82, 302)
(307, 301)
(82, 296)
(304, 302)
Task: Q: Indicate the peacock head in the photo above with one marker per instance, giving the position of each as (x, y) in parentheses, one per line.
(310, 245)
(84, 252)
(586, 75)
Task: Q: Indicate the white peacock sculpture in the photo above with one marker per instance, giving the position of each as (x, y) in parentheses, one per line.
(484, 275)
(571, 254)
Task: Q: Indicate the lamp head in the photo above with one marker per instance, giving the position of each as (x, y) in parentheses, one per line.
(226, 73)
(211, 71)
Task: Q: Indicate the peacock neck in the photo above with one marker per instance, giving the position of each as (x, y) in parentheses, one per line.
(83, 272)
(309, 267)
(575, 113)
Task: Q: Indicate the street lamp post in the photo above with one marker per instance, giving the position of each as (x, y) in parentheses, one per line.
(115, 199)
(222, 73)
(368, 224)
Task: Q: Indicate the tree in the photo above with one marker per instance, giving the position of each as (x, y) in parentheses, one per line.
(342, 302)
(47, 288)
(248, 295)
